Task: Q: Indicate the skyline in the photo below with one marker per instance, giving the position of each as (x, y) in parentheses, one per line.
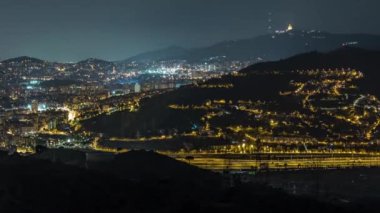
(70, 31)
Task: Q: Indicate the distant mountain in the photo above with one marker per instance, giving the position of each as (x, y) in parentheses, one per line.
(23, 59)
(23, 65)
(267, 47)
(31, 60)
(173, 52)
(347, 57)
(95, 61)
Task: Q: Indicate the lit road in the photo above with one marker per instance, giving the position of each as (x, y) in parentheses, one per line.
(219, 163)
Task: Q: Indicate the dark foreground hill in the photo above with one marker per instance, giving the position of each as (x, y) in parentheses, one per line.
(134, 165)
(31, 185)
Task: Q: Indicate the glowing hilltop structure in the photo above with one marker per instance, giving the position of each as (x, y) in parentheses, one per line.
(290, 28)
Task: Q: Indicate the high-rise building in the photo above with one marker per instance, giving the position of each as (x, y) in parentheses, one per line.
(137, 88)
(52, 125)
(34, 106)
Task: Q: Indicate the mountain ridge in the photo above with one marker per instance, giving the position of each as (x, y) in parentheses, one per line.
(270, 46)
(267, 47)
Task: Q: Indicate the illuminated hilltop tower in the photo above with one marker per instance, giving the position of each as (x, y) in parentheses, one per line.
(290, 28)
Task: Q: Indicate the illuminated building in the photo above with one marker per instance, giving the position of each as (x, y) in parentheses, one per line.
(52, 124)
(34, 107)
(72, 115)
(137, 88)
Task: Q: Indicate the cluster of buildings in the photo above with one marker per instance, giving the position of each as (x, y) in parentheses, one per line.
(43, 102)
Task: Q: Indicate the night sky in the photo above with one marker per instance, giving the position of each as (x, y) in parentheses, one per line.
(71, 30)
